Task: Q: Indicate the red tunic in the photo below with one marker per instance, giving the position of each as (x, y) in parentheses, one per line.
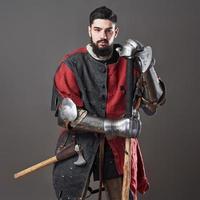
(66, 85)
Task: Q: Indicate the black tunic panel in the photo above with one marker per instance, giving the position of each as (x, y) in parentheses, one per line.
(69, 180)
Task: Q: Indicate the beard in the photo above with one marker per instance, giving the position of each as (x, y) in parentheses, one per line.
(103, 51)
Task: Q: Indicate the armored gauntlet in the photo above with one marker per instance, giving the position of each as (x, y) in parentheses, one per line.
(151, 87)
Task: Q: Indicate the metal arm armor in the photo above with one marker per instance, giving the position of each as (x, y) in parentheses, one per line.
(153, 90)
(79, 119)
(126, 127)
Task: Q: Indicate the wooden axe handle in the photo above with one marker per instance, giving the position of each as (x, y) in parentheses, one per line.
(35, 167)
(64, 153)
(127, 170)
(127, 163)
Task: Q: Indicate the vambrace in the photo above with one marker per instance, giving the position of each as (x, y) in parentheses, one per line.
(81, 120)
(126, 127)
(153, 90)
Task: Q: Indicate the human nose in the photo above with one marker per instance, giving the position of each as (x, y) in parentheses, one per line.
(103, 35)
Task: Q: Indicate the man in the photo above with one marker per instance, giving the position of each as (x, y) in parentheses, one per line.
(89, 98)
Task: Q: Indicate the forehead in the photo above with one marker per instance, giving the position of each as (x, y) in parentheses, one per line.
(103, 23)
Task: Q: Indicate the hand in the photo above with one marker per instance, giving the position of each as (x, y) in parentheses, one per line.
(130, 48)
(126, 127)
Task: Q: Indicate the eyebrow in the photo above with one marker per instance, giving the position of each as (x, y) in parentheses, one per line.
(102, 28)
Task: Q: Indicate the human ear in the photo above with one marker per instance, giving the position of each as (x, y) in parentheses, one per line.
(89, 31)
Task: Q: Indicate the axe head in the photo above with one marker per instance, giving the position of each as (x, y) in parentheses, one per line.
(80, 161)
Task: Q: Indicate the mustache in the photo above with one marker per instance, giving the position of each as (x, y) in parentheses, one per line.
(103, 40)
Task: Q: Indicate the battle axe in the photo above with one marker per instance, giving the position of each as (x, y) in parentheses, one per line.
(64, 153)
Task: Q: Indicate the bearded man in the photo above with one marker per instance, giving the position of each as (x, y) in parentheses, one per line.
(89, 98)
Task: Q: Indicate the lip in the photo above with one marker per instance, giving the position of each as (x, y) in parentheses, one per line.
(103, 44)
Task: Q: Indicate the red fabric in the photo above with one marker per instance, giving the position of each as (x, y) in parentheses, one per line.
(67, 86)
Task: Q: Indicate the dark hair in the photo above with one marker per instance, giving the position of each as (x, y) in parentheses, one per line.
(103, 13)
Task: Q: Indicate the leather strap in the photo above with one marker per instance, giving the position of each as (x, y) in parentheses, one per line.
(101, 159)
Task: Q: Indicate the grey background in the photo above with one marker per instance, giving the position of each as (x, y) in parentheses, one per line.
(34, 36)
